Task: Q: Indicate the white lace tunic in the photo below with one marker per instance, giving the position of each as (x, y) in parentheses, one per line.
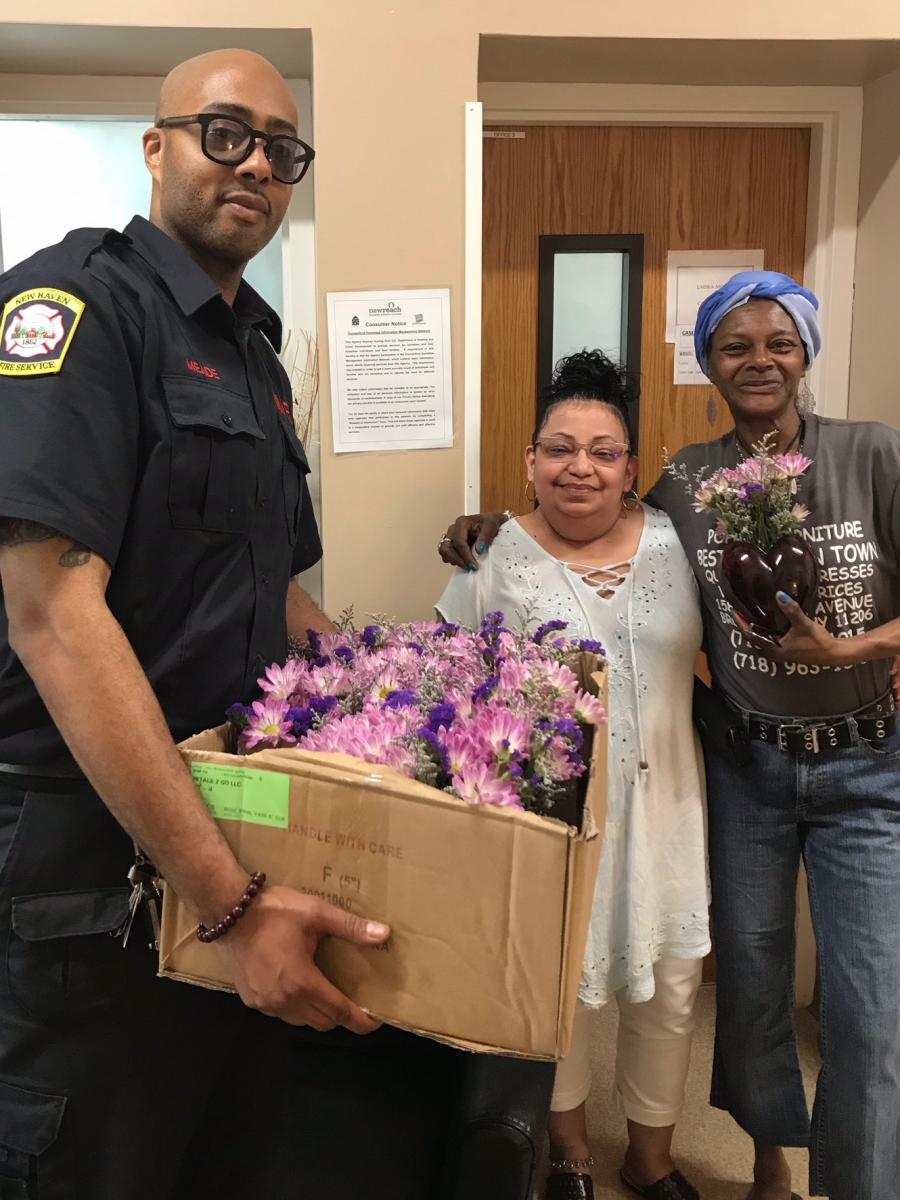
(652, 893)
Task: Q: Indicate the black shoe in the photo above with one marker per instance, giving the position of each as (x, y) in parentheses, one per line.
(566, 1185)
(673, 1186)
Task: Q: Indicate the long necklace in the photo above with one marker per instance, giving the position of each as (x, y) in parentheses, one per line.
(797, 440)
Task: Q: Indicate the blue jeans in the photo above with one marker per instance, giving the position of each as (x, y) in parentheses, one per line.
(840, 810)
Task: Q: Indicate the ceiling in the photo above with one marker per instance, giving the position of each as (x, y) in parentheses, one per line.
(153, 50)
(140, 50)
(694, 61)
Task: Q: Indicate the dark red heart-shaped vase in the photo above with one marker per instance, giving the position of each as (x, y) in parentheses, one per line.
(753, 576)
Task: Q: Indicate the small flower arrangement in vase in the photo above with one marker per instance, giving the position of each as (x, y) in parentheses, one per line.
(757, 511)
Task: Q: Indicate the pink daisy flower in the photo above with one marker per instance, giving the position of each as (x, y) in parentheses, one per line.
(268, 725)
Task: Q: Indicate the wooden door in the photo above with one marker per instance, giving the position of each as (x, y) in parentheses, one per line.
(681, 188)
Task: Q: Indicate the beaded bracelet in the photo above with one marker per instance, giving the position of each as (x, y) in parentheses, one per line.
(207, 934)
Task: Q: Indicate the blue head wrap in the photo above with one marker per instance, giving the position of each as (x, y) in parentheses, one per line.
(797, 301)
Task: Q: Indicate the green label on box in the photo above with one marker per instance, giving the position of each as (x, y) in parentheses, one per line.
(242, 794)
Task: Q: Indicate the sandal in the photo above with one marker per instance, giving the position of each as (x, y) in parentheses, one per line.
(567, 1185)
(673, 1186)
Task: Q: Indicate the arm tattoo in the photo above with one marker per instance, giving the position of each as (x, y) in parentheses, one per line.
(15, 532)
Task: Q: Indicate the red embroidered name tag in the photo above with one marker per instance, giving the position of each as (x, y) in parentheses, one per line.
(200, 369)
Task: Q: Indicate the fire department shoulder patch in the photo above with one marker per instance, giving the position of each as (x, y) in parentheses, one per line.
(36, 331)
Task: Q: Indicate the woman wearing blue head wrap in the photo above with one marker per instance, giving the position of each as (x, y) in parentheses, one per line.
(809, 764)
(803, 759)
(800, 304)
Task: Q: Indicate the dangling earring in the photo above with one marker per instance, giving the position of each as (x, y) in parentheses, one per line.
(806, 401)
(529, 483)
(630, 500)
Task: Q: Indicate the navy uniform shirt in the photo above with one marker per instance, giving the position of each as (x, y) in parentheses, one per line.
(146, 419)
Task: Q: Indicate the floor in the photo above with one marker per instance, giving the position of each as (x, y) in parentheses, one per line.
(709, 1147)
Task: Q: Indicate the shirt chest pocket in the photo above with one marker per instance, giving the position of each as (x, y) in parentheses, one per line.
(215, 452)
(294, 473)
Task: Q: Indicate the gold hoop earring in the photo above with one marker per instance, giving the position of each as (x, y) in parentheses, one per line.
(529, 483)
(630, 500)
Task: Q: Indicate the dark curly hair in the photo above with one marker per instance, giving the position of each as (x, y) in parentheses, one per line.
(590, 375)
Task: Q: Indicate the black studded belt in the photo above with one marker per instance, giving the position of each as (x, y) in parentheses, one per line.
(812, 735)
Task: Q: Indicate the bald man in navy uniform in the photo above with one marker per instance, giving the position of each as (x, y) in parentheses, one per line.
(154, 512)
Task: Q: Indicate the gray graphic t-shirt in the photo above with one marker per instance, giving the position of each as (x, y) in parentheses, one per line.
(853, 493)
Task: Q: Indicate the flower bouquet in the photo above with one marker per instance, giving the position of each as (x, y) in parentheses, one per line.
(491, 716)
(759, 516)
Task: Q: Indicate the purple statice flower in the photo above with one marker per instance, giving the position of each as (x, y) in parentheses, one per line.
(441, 715)
(301, 719)
(435, 747)
(405, 698)
(371, 637)
(548, 627)
(323, 660)
(322, 705)
(344, 654)
(238, 715)
(569, 728)
(492, 623)
(314, 641)
(589, 646)
(446, 629)
(416, 647)
(484, 690)
(748, 490)
(494, 636)
(268, 725)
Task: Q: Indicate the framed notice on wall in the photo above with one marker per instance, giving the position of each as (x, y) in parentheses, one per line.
(391, 384)
(692, 274)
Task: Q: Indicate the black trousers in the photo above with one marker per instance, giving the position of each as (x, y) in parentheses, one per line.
(116, 1084)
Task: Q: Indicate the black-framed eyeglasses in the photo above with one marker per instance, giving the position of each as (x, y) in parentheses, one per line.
(230, 141)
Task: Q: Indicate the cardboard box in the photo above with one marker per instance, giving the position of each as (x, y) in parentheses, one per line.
(489, 907)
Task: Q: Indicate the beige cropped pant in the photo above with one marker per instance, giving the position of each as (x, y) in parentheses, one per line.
(653, 1052)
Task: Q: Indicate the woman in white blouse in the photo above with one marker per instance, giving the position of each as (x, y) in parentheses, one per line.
(591, 555)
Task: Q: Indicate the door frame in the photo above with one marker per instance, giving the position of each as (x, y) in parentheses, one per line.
(834, 118)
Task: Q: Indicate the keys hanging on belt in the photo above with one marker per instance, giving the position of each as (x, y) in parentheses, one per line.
(146, 894)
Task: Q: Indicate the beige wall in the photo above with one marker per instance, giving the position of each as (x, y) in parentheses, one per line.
(875, 357)
(391, 78)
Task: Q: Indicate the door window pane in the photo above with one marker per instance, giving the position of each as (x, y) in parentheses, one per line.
(587, 304)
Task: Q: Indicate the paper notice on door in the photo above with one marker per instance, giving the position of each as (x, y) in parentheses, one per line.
(687, 369)
(692, 275)
(391, 384)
